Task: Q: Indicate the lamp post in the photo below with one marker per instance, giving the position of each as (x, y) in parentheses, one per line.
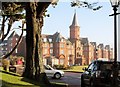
(115, 5)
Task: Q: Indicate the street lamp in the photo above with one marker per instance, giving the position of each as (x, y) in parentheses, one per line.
(115, 2)
(115, 5)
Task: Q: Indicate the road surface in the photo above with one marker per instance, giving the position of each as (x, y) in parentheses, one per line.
(72, 79)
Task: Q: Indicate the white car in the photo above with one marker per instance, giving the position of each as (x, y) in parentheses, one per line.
(51, 72)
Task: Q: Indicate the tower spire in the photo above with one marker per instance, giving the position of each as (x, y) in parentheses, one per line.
(75, 21)
(75, 11)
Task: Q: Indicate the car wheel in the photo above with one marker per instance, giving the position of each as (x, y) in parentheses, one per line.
(82, 82)
(57, 75)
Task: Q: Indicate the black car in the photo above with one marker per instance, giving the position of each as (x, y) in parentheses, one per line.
(100, 73)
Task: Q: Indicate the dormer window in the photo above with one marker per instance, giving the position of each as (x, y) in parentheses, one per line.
(62, 45)
(62, 40)
(45, 40)
(51, 45)
(50, 40)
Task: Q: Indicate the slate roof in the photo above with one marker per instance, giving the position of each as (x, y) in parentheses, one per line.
(75, 21)
(56, 37)
(84, 41)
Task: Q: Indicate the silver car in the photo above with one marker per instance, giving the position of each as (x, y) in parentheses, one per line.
(51, 72)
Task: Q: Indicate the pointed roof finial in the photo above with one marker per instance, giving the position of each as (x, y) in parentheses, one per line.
(75, 21)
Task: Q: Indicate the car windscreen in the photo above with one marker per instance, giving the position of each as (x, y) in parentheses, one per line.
(47, 67)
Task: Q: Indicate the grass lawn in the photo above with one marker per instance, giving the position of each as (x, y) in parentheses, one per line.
(10, 79)
(76, 69)
(13, 80)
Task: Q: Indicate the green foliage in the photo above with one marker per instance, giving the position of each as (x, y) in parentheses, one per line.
(76, 68)
(85, 4)
(12, 9)
(0, 62)
(61, 67)
(14, 59)
(10, 13)
(5, 62)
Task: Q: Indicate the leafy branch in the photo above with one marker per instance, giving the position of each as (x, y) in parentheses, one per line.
(85, 4)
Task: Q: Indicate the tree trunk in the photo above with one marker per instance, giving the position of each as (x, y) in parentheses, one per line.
(34, 61)
(29, 62)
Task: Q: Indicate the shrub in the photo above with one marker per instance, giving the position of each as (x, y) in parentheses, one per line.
(5, 64)
(0, 62)
(61, 67)
(15, 59)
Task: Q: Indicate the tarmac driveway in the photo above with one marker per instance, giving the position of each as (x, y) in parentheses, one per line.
(72, 79)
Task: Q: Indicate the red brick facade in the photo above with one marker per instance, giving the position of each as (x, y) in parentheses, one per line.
(11, 42)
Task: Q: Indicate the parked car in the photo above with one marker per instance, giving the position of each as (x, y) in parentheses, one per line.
(51, 72)
(99, 73)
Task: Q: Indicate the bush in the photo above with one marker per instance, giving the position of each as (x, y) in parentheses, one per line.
(5, 64)
(14, 59)
(61, 67)
(0, 62)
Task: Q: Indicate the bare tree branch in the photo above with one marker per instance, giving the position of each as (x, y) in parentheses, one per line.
(3, 26)
(11, 12)
(85, 4)
(19, 41)
(8, 30)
